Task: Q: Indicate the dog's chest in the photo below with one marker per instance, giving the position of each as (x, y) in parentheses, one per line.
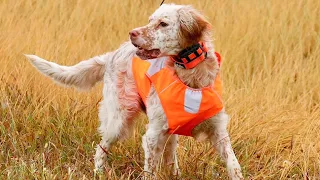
(183, 106)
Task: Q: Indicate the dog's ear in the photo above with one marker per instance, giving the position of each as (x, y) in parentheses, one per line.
(193, 26)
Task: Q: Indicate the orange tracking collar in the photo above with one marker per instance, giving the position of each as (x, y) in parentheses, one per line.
(191, 56)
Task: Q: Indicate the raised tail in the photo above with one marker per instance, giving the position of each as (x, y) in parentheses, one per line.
(83, 75)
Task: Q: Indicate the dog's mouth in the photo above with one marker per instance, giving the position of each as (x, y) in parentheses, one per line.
(147, 54)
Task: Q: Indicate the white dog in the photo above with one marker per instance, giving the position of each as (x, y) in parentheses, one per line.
(174, 33)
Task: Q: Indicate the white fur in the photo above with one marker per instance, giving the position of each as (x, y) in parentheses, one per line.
(83, 75)
(122, 102)
(163, 38)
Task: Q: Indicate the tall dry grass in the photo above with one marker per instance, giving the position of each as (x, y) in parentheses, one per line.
(271, 72)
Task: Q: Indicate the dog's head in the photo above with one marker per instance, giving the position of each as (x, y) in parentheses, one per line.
(171, 29)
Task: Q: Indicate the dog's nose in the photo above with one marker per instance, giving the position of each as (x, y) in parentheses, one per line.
(134, 33)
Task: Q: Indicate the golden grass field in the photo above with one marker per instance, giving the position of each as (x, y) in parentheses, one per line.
(271, 73)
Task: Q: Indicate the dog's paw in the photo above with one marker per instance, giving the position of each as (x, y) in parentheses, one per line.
(148, 175)
(100, 158)
(98, 171)
(177, 172)
(99, 164)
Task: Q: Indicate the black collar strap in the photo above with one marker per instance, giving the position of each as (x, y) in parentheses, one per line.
(191, 56)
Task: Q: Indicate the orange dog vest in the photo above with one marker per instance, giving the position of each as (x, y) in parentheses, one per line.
(184, 107)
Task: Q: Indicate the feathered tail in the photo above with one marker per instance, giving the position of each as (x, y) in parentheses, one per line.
(83, 75)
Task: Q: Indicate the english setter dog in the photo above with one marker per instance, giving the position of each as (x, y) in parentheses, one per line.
(176, 45)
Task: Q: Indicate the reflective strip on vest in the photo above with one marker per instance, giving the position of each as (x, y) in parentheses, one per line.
(192, 101)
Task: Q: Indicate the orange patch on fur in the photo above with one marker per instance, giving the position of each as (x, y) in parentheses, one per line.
(192, 34)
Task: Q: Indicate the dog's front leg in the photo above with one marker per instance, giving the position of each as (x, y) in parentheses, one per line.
(222, 144)
(156, 135)
(170, 153)
(152, 142)
(160, 146)
(226, 152)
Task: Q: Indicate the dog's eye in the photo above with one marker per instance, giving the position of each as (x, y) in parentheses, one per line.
(163, 24)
